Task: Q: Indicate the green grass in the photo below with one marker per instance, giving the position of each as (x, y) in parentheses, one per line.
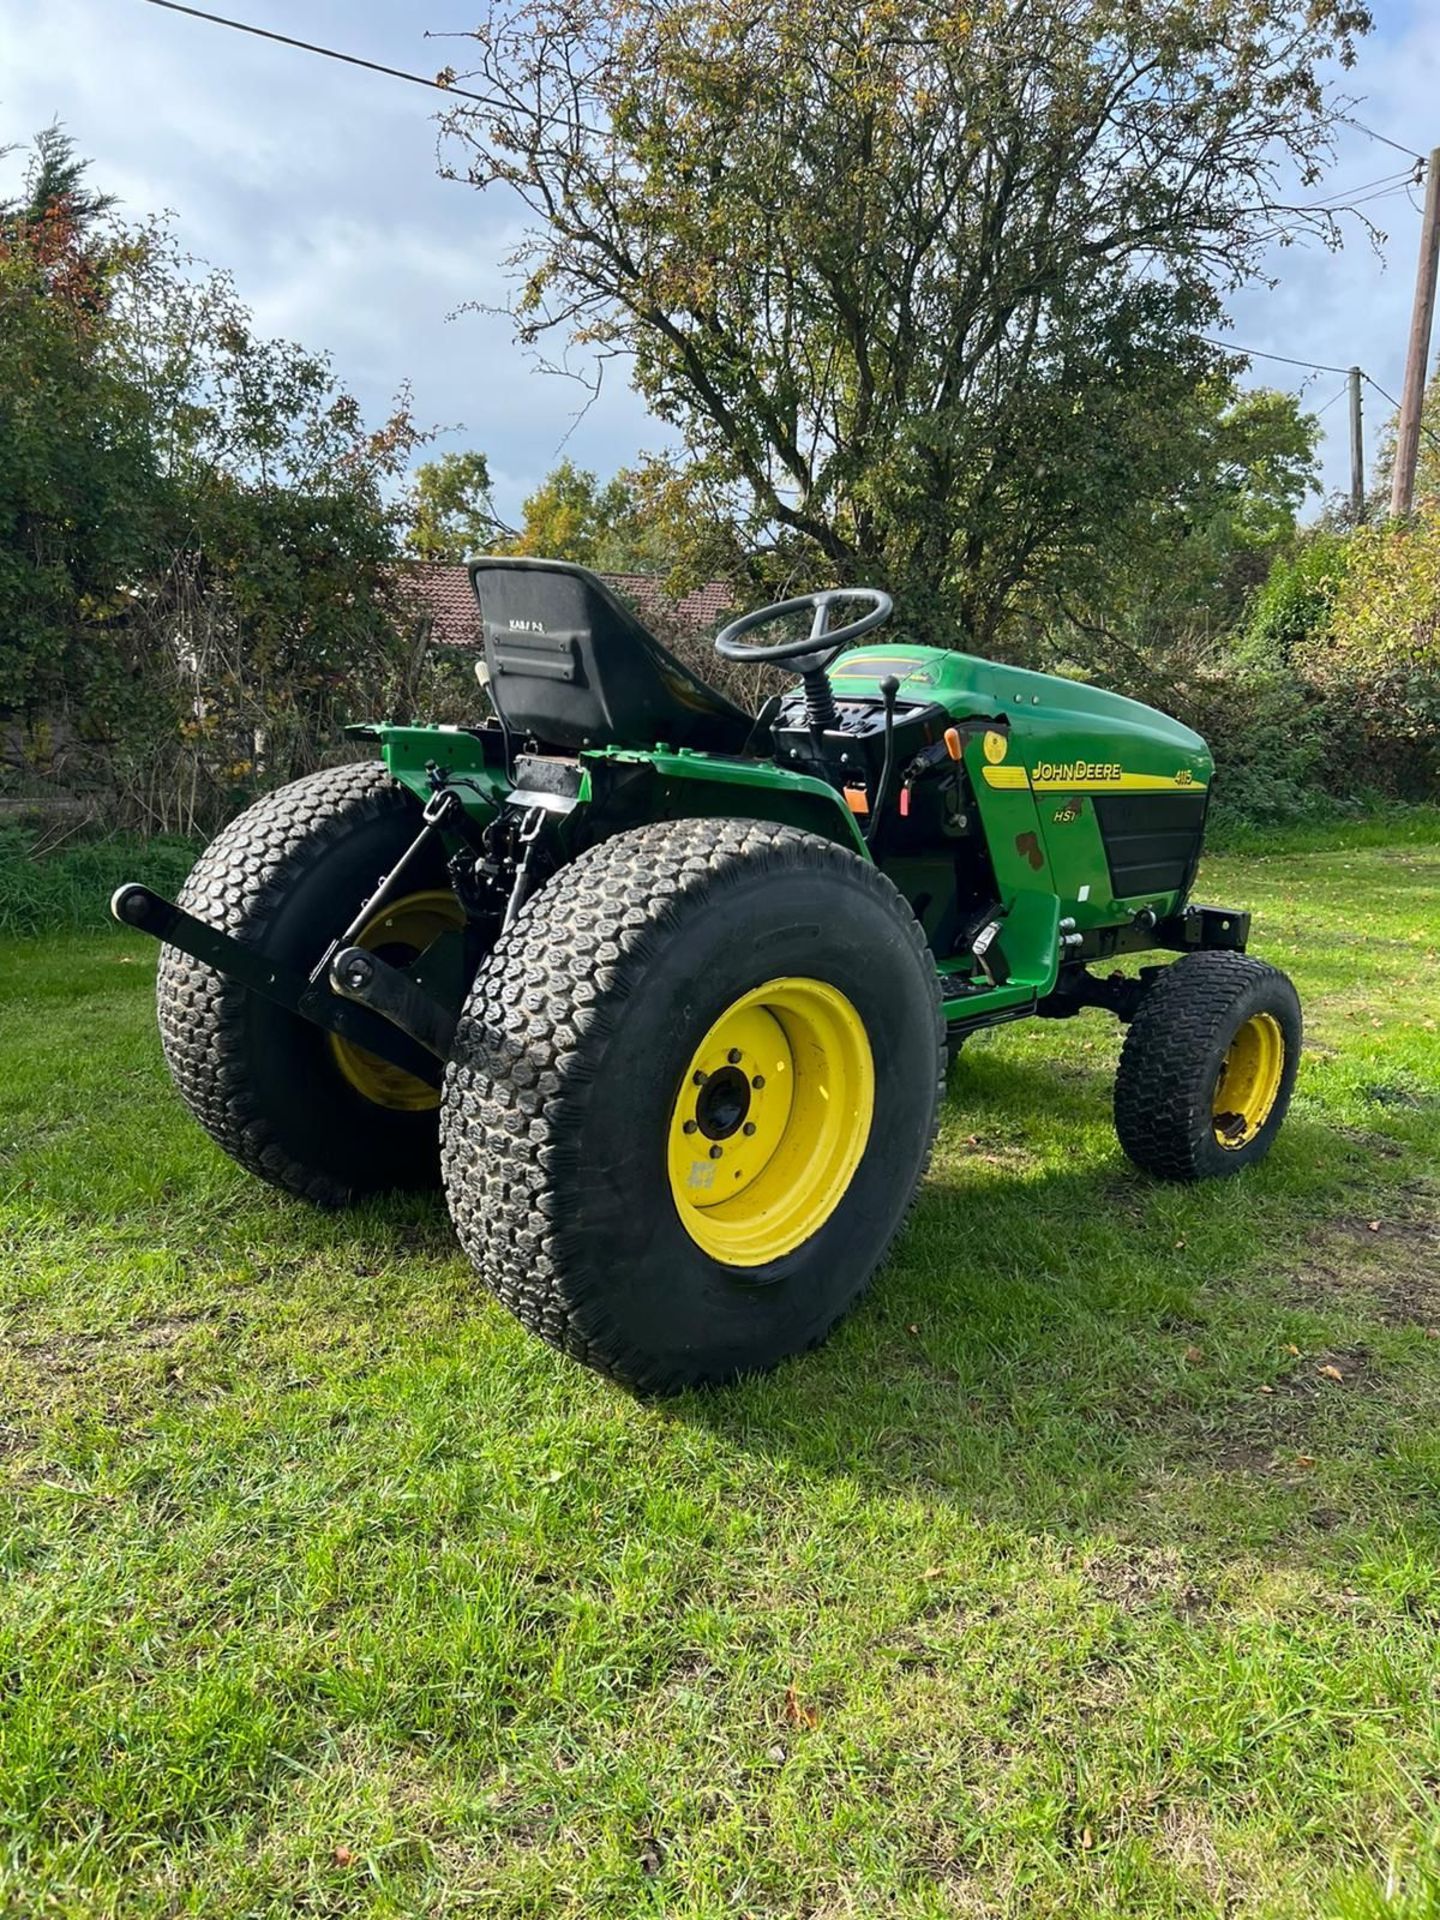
(1067, 1580)
(68, 888)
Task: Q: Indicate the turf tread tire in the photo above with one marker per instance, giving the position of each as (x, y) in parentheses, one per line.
(239, 884)
(529, 1047)
(1164, 1086)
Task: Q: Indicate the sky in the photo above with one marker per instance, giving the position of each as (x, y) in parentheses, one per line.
(316, 185)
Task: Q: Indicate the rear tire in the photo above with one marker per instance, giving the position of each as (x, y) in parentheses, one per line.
(286, 877)
(1208, 1067)
(568, 1140)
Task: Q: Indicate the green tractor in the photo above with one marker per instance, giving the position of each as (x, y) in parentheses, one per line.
(663, 991)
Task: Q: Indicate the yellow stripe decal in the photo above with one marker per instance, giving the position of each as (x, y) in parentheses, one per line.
(1047, 782)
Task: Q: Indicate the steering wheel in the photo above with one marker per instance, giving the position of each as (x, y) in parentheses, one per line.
(824, 641)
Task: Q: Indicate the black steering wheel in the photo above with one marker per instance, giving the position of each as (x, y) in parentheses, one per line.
(824, 641)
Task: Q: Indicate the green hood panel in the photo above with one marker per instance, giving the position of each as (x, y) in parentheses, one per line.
(1067, 719)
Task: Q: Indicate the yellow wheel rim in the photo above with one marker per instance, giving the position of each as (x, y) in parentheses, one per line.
(1250, 1076)
(770, 1121)
(399, 933)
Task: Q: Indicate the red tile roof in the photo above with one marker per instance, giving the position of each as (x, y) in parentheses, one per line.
(442, 594)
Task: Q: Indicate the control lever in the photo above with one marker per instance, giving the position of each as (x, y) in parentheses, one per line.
(889, 688)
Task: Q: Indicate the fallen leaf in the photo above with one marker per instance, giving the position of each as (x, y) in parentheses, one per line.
(1304, 1460)
(912, 1329)
(1374, 1226)
(796, 1711)
(776, 1755)
(1290, 1347)
(1194, 1356)
(933, 1573)
(1267, 1389)
(1330, 1373)
(342, 1856)
(1087, 1838)
(651, 1857)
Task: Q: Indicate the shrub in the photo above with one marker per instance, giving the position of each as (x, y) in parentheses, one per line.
(1293, 608)
(68, 888)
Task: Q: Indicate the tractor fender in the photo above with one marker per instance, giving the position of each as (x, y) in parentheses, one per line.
(688, 784)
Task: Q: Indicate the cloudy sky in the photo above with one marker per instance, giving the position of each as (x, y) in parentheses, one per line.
(316, 184)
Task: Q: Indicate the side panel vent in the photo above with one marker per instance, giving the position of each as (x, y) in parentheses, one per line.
(1152, 840)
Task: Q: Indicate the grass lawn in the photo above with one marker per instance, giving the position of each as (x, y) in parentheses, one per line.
(1094, 1567)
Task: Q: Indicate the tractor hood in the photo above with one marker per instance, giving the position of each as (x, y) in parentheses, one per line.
(1067, 734)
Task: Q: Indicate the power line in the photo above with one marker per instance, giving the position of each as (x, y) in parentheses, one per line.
(1322, 205)
(327, 53)
(1256, 353)
(331, 52)
(1428, 433)
(1331, 401)
(1384, 139)
(371, 66)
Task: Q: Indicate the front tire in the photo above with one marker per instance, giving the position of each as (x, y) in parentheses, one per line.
(691, 1097)
(1208, 1067)
(314, 1115)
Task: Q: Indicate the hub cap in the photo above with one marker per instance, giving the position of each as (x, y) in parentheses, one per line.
(770, 1121)
(1249, 1080)
(399, 934)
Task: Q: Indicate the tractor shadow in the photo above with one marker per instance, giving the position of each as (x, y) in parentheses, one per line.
(1060, 1341)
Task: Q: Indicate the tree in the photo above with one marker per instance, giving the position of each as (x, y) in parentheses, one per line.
(1427, 465)
(923, 289)
(571, 516)
(1189, 563)
(197, 528)
(54, 184)
(78, 472)
(452, 515)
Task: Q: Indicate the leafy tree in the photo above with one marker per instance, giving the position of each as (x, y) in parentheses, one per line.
(571, 516)
(922, 289)
(1427, 464)
(78, 471)
(197, 529)
(1189, 563)
(54, 184)
(452, 514)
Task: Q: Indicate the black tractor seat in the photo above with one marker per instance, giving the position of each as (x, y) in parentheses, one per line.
(571, 666)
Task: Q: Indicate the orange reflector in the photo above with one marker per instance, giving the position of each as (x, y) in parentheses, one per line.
(855, 799)
(952, 742)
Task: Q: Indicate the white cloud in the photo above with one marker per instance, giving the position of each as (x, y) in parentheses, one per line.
(316, 184)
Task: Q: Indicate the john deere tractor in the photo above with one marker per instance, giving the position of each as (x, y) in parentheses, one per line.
(663, 991)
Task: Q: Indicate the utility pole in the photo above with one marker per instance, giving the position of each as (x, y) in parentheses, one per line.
(1357, 451)
(1412, 394)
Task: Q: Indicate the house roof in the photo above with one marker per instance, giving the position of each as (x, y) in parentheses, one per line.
(441, 593)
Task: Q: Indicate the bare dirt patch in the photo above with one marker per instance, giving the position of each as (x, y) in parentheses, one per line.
(1392, 1263)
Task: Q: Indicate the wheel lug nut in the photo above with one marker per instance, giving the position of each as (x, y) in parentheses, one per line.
(734, 1056)
(701, 1076)
(691, 1126)
(715, 1152)
(758, 1081)
(749, 1127)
